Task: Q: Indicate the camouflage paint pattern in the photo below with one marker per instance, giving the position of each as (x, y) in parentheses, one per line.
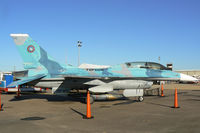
(37, 61)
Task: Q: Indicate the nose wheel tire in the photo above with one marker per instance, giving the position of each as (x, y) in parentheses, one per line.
(140, 98)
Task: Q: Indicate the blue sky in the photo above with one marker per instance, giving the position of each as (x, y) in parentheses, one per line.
(112, 31)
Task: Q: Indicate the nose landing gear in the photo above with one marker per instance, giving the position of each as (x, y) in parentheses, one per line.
(140, 98)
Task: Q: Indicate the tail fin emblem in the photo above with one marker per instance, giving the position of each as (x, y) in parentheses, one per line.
(31, 49)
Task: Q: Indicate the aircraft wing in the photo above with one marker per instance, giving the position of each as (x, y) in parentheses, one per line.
(26, 80)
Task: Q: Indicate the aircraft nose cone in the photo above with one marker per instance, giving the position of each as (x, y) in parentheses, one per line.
(187, 78)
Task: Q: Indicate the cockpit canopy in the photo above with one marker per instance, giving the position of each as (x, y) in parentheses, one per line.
(147, 65)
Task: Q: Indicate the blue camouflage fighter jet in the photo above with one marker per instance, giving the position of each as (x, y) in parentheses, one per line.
(45, 72)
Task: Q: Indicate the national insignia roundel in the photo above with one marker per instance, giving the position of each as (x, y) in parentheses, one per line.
(31, 49)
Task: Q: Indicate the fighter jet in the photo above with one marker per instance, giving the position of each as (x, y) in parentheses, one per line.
(131, 77)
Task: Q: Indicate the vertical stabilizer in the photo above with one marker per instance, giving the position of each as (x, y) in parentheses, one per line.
(34, 56)
(28, 49)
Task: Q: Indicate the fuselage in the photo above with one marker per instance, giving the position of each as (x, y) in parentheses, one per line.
(120, 71)
(38, 62)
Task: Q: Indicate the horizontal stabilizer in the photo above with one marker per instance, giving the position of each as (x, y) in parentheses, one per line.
(26, 80)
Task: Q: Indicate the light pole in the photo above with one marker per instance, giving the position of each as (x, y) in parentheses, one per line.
(79, 44)
(159, 59)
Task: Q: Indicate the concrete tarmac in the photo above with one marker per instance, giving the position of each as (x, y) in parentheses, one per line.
(41, 113)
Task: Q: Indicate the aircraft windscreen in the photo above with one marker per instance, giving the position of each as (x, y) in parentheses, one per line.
(136, 64)
(152, 65)
(148, 65)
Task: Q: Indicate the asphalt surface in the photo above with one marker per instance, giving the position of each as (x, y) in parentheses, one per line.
(42, 113)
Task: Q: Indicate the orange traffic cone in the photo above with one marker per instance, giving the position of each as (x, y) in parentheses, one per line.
(88, 115)
(1, 109)
(176, 99)
(162, 90)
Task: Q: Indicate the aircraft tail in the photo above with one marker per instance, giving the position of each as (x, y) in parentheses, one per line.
(28, 49)
(34, 56)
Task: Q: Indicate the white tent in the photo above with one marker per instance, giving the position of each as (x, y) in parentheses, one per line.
(92, 66)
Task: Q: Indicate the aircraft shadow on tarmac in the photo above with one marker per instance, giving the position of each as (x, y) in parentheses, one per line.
(126, 102)
(52, 98)
(193, 93)
(162, 105)
(57, 98)
(33, 118)
(179, 93)
(135, 101)
(198, 100)
(196, 90)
